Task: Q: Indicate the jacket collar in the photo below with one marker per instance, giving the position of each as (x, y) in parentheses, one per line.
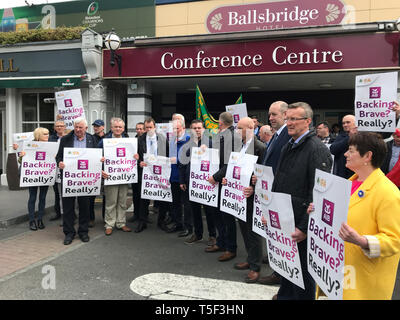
(364, 190)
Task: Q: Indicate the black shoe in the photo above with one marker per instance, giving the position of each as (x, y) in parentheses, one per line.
(174, 228)
(141, 226)
(68, 240)
(40, 224)
(84, 237)
(184, 233)
(162, 226)
(56, 217)
(32, 225)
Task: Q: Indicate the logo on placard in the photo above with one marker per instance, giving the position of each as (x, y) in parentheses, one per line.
(40, 155)
(327, 212)
(236, 173)
(157, 169)
(274, 219)
(121, 152)
(375, 92)
(83, 164)
(205, 165)
(264, 185)
(68, 103)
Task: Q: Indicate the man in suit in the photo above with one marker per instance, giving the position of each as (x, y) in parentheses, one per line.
(341, 145)
(197, 139)
(140, 130)
(77, 138)
(152, 143)
(252, 241)
(226, 141)
(277, 114)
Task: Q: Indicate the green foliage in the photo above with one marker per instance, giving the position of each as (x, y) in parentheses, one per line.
(60, 33)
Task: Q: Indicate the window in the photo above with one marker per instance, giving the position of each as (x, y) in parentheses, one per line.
(36, 113)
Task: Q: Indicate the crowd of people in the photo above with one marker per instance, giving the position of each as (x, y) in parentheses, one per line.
(294, 150)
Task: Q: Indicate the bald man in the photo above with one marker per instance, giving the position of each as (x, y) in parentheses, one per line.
(252, 241)
(341, 145)
(266, 134)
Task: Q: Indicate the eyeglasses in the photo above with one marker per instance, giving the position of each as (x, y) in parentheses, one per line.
(295, 119)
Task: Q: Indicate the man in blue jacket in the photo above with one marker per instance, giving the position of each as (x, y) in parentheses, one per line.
(179, 197)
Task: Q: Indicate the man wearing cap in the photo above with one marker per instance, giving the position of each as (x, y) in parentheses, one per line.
(98, 128)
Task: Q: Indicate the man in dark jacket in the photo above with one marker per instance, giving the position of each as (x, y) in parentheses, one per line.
(340, 146)
(227, 141)
(77, 138)
(153, 143)
(250, 145)
(300, 157)
(59, 128)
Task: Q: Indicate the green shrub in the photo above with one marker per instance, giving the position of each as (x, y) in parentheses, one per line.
(60, 33)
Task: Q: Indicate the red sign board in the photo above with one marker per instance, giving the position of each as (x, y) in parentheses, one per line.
(275, 15)
(349, 52)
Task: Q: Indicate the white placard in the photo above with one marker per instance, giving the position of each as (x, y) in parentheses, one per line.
(155, 178)
(82, 172)
(19, 138)
(265, 178)
(325, 249)
(38, 167)
(238, 111)
(283, 252)
(119, 163)
(374, 97)
(70, 106)
(204, 163)
(165, 129)
(238, 175)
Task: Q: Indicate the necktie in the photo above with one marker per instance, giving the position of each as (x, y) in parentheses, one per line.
(269, 149)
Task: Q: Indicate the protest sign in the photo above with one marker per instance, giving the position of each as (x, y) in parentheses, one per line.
(19, 138)
(238, 175)
(265, 178)
(204, 163)
(283, 253)
(325, 249)
(165, 128)
(70, 106)
(82, 172)
(38, 167)
(238, 112)
(374, 97)
(155, 178)
(119, 162)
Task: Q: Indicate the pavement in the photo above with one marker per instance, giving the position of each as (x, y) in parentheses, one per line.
(14, 206)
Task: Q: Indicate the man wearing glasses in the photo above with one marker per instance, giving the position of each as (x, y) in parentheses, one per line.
(300, 157)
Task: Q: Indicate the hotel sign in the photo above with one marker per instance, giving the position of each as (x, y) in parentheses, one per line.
(275, 15)
(378, 51)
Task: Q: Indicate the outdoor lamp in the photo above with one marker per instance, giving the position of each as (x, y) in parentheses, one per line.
(113, 42)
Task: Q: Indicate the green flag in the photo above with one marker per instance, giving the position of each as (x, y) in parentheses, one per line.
(202, 113)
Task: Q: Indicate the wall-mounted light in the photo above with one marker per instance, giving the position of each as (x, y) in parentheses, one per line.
(113, 43)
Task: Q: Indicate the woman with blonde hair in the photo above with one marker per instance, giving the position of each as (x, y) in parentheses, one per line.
(40, 134)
